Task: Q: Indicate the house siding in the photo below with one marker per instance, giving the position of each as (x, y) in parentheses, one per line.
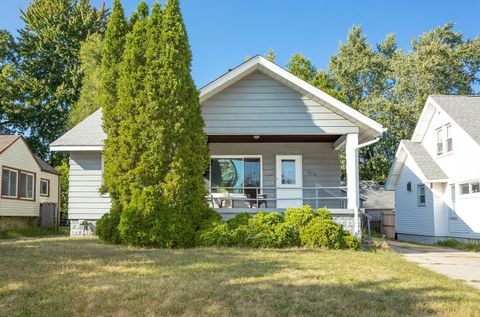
(321, 165)
(54, 183)
(411, 218)
(18, 156)
(258, 104)
(84, 198)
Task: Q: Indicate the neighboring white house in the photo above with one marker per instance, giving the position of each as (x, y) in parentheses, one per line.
(27, 181)
(274, 141)
(436, 174)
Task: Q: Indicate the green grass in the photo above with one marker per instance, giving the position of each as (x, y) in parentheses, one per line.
(32, 232)
(468, 246)
(64, 276)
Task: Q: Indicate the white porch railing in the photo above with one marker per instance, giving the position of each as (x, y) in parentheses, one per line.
(268, 197)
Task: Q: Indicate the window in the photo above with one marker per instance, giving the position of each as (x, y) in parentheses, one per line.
(409, 186)
(27, 185)
(452, 213)
(439, 142)
(449, 138)
(421, 195)
(234, 173)
(9, 183)
(464, 189)
(44, 187)
(288, 172)
(475, 187)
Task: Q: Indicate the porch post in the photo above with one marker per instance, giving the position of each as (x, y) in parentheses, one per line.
(351, 153)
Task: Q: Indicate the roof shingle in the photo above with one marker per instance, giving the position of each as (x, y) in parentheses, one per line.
(424, 161)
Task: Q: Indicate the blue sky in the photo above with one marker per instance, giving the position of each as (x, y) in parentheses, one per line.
(222, 33)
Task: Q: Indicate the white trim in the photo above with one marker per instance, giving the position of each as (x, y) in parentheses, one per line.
(420, 204)
(16, 182)
(242, 156)
(293, 191)
(75, 148)
(259, 62)
(298, 173)
(33, 185)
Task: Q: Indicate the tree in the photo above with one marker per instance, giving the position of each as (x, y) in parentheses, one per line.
(48, 73)
(64, 170)
(112, 52)
(90, 64)
(271, 56)
(8, 90)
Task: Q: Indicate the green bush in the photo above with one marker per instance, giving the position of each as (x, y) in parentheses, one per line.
(287, 236)
(351, 242)
(145, 222)
(259, 232)
(240, 219)
(107, 226)
(299, 217)
(219, 234)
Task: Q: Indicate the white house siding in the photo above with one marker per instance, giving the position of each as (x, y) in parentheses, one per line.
(411, 218)
(53, 195)
(258, 104)
(18, 156)
(321, 165)
(461, 165)
(84, 199)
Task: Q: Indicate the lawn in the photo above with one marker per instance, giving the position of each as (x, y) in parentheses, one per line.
(33, 232)
(65, 277)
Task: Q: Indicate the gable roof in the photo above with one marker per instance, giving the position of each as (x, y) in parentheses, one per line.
(463, 110)
(376, 196)
(7, 140)
(87, 135)
(430, 170)
(369, 129)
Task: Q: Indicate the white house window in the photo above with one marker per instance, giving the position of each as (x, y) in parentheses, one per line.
(449, 138)
(234, 173)
(9, 183)
(475, 187)
(439, 141)
(44, 187)
(27, 185)
(421, 195)
(464, 189)
(452, 213)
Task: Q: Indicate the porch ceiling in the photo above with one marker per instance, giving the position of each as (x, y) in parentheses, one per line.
(327, 138)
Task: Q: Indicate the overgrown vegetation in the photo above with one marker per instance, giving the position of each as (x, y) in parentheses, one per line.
(452, 243)
(298, 227)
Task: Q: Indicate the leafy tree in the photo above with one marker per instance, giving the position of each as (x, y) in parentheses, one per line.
(63, 168)
(90, 63)
(271, 56)
(8, 91)
(112, 52)
(48, 73)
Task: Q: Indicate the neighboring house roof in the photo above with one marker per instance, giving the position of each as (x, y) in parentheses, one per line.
(430, 170)
(89, 135)
(463, 110)
(7, 140)
(376, 196)
(44, 166)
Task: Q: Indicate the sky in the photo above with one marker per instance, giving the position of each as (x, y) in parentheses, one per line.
(223, 32)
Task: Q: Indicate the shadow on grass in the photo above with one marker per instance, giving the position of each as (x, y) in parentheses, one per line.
(65, 276)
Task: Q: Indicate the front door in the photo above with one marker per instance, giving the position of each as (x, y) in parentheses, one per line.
(289, 181)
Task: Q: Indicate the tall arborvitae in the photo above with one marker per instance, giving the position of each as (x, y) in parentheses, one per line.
(112, 52)
(186, 149)
(131, 100)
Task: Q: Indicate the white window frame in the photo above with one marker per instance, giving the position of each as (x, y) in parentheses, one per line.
(470, 188)
(243, 157)
(16, 182)
(448, 128)
(420, 204)
(47, 181)
(20, 184)
(453, 198)
(439, 141)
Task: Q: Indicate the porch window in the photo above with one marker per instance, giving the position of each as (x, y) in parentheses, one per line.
(27, 183)
(288, 172)
(421, 195)
(232, 174)
(439, 142)
(9, 183)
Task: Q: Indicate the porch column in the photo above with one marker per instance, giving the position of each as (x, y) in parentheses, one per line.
(351, 153)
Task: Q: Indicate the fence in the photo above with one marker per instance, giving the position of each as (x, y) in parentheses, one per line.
(48, 215)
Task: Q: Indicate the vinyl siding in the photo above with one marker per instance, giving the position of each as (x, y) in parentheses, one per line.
(17, 156)
(258, 104)
(53, 197)
(84, 198)
(321, 165)
(411, 218)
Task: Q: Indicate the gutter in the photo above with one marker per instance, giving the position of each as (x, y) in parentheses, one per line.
(368, 143)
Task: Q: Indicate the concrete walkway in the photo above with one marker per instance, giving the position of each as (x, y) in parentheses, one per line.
(456, 264)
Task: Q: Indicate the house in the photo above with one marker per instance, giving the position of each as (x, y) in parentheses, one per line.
(380, 205)
(274, 142)
(436, 174)
(27, 182)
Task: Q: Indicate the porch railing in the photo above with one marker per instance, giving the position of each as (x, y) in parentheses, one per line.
(267, 197)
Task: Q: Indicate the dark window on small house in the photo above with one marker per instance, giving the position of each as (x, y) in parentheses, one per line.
(421, 195)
